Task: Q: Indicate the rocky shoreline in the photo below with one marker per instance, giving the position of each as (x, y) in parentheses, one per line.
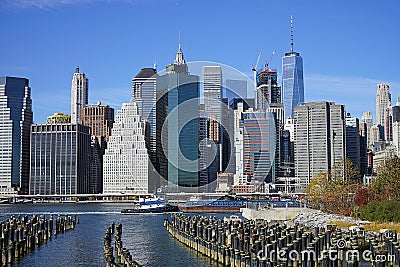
(317, 218)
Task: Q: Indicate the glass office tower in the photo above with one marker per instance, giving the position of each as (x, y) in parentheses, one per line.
(292, 82)
(15, 123)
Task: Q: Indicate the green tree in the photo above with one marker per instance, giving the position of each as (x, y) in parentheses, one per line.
(316, 190)
(346, 171)
(387, 183)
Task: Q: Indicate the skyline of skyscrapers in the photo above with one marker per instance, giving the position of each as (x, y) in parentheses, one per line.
(181, 128)
(16, 118)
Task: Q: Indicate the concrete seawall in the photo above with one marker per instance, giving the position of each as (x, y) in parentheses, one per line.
(275, 214)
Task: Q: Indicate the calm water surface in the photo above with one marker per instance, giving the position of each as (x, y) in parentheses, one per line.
(143, 234)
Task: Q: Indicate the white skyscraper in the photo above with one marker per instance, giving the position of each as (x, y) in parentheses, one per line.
(383, 101)
(125, 166)
(396, 137)
(79, 94)
(239, 177)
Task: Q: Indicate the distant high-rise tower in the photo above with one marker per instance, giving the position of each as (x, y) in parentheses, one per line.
(353, 140)
(212, 90)
(292, 78)
(100, 118)
(258, 146)
(319, 139)
(177, 126)
(145, 95)
(368, 120)
(125, 165)
(15, 123)
(383, 101)
(268, 90)
(79, 94)
(396, 137)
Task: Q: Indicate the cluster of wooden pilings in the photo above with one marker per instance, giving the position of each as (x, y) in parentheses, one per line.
(21, 234)
(123, 256)
(254, 243)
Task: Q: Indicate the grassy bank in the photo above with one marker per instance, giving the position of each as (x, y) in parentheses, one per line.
(375, 226)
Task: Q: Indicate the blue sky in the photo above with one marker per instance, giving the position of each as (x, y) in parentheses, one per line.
(347, 46)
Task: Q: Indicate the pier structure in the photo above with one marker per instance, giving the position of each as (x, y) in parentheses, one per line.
(20, 234)
(122, 257)
(254, 243)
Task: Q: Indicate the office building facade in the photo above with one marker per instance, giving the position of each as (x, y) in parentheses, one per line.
(177, 127)
(125, 162)
(60, 159)
(383, 102)
(258, 147)
(319, 139)
(145, 95)
(15, 126)
(268, 90)
(58, 118)
(353, 140)
(100, 119)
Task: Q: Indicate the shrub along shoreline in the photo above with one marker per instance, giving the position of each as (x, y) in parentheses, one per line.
(341, 192)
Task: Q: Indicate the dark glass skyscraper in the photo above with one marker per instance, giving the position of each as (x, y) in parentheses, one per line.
(292, 79)
(60, 155)
(15, 122)
(177, 125)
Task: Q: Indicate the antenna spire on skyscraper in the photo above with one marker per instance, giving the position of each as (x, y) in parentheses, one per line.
(291, 34)
(179, 55)
(179, 40)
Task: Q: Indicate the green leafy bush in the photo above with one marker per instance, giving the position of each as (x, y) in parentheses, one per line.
(385, 211)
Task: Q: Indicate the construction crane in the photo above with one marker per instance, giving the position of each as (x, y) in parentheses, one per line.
(269, 60)
(254, 69)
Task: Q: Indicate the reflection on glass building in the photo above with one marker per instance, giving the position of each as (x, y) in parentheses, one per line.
(60, 156)
(259, 146)
(15, 125)
(177, 126)
(292, 78)
(292, 82)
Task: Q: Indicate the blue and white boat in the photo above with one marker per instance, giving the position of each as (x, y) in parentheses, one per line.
(151, 205)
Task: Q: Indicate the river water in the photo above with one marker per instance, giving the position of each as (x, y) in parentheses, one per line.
(143, 234)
